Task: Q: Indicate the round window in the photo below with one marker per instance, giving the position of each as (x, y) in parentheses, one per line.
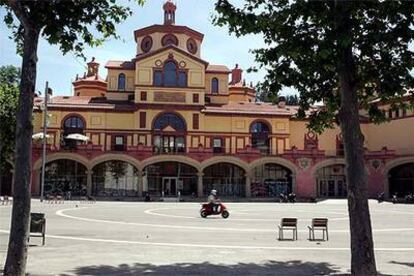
(191, 46)
(169, 39)
(146, 44)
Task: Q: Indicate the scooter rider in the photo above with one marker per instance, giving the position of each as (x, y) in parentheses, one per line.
(213, 200)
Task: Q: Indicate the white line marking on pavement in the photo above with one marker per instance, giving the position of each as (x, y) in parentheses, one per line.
(215, 246)
(204, 228)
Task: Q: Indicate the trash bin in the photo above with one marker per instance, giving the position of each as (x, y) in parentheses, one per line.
(37, 220)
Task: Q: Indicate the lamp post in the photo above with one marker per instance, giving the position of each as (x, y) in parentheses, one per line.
(48, 92)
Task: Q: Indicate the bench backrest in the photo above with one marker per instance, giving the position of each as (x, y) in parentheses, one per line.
(289, 222)
(320, 222)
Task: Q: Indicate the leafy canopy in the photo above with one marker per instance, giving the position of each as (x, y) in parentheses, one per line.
(9, 91)
(301, 50)
(69, 24)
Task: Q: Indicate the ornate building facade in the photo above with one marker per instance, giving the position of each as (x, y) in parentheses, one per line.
(168, 122)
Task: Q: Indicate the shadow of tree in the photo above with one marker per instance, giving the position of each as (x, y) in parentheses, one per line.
(403, 263)
(206, 268)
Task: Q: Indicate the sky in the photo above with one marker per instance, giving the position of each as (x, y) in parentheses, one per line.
(219, 47)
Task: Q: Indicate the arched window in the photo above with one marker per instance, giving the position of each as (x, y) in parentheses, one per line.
(169, 133)
(170, 74)
(170, 119)
(214, 86)
(73, 123)
(121, 81)
(260, 136)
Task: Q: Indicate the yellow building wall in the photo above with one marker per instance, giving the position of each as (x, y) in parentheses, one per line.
(144, 71)
(113, 79)
(397, 134)
(223, 83)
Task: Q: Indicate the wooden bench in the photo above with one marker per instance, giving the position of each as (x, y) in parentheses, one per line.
(37, 226)
(288, 224)
(318, 224)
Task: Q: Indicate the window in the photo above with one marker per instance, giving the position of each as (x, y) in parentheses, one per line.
(214, 86)
(260, 137)
(119, 143)
(158, 78)
(397, 113)
(73, 122)
(169, 39)
(146, 44)
(169, 119)
(182, 79)
(170, 74)
(121, 81)
(191, 46)
(143, 95)
(217, 145)
(390, 113)
(195, 121)
(196, 98)
(142, 119)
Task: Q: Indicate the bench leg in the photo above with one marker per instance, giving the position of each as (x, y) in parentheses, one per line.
(327, 238)
(43, 242)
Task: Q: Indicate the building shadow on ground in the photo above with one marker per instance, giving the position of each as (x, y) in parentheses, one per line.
(206, 268)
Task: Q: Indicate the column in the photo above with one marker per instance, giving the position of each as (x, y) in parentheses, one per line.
(140, 183)
(89, 182)
(200, 184)
(248, 185)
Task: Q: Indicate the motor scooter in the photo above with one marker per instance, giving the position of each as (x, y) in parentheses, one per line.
(207, 210)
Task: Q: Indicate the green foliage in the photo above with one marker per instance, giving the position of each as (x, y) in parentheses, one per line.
(9, 91)
(71, 25)
(302, 50)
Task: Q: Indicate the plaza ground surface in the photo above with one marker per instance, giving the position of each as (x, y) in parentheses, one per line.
(134, 238)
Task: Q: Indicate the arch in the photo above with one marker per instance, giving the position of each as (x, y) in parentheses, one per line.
(113, 156)
(260, 121)
(168, 115)
(56, 156)
(327, 163)
(70, 115)
(121, 81)
(225, 159)
(274, 160)
(393, 164)
(163, 158)
(214, 86)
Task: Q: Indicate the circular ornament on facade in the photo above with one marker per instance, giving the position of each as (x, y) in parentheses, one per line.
(192, 46)
(182, 64)
(146, 44)
(169, 39)
(158, 63)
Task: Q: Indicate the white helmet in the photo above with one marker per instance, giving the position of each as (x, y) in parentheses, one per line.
(213, 192)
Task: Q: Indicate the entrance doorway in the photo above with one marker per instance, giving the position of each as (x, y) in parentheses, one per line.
(332, 188)
(331, 181)
(171, 186)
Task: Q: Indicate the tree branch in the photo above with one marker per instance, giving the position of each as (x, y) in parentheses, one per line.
(21, 13)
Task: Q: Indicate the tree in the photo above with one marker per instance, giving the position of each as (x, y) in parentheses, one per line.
(344, 54)
(71, 25)
(9, 91)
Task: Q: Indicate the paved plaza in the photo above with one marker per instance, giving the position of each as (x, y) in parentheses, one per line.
(134, 238)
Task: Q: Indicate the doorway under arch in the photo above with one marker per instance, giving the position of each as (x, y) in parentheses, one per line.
(401, 180)
(228, 179)
(170, 178)
(115, 178)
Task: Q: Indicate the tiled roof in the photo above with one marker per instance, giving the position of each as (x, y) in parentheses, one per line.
(254, 108)
(90, 78)
(88, 102)
(218, 68)
(121, 64)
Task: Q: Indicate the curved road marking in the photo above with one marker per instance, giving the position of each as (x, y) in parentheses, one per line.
(215, 246)
(261, 230)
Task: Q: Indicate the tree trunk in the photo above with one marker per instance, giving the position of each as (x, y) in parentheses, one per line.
(362, 246)
(19, 231)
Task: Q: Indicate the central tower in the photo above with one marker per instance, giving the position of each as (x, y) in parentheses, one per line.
(169, 13)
